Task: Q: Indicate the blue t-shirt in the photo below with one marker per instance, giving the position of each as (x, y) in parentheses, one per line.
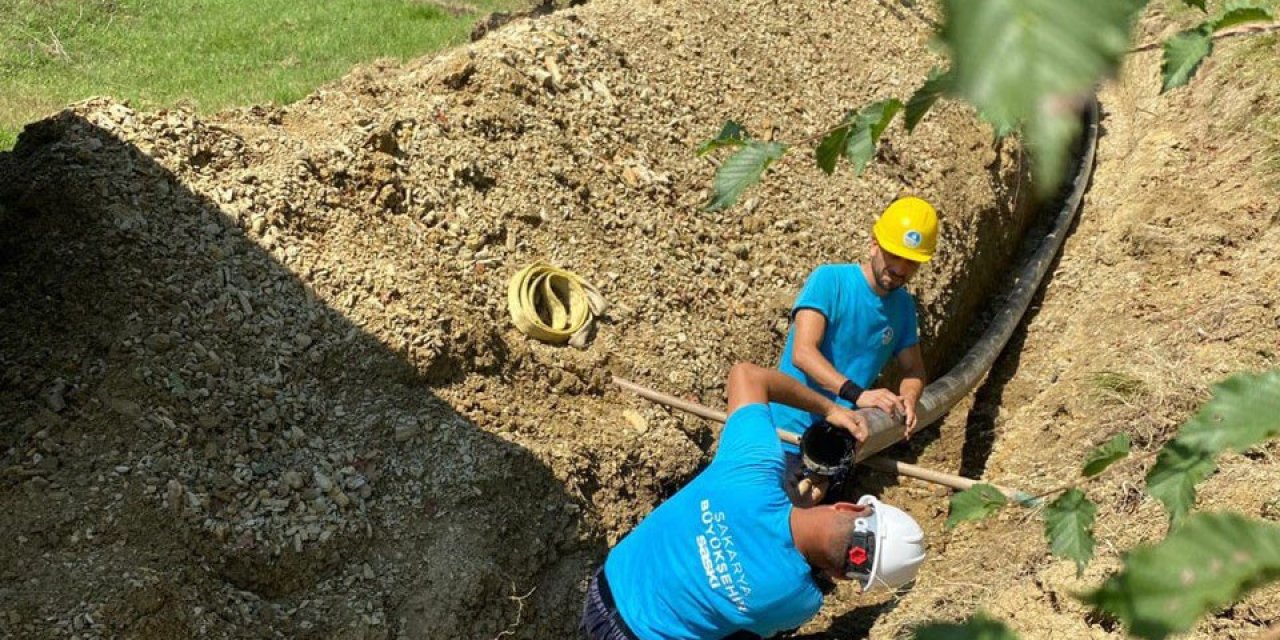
(863, 331)
(718, 557)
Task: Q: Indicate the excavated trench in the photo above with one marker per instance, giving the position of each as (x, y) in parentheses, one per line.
(257, 375)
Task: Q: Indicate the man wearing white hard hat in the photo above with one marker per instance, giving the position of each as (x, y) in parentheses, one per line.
(729, 555)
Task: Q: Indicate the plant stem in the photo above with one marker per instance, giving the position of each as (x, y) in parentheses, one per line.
(824, 134)
(1243, 31)
(1122, 463)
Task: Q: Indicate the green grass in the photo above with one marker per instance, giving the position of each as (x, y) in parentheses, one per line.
(212, 54)
(1117, 386)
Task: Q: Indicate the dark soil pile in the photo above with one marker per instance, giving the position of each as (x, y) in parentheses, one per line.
(256, 374)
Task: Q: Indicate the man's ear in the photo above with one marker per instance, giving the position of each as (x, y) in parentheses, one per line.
(849, 507)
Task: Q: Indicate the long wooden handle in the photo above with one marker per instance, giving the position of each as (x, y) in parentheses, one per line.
(879, 462)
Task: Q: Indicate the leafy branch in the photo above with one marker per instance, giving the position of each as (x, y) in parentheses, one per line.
(1068, 519)
(1222, 35)
(1208, 560)
(1186, 50)
(1244, 411)
(856, 137)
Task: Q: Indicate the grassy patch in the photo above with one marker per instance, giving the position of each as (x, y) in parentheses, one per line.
(1252, 61)
(1263, 48)
(1117, 387)
(211, 53)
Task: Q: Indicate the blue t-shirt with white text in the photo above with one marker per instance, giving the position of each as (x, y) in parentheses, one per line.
(718, 557)
(863, 331)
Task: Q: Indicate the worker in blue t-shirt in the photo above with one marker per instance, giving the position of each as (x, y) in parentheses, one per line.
(729, 556)
(850, 319)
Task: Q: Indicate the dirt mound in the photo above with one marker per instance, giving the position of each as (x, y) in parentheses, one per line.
(258, 377)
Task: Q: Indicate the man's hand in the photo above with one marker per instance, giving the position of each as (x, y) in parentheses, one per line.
(850, 421)
(882, 399)
(910, 418)
(810, 491)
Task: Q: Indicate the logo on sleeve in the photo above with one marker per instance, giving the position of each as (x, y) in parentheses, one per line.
(912, 239)
(887, 336)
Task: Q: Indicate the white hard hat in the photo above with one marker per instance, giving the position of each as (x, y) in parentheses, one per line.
(899, 545)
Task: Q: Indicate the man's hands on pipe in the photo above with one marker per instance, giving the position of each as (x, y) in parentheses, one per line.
(892, 404)
(882, 399)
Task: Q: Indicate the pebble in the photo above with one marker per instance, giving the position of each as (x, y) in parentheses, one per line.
(173, 494)
(341, 498)
(54, 397)
(125, 407)
(159, 342)
(293, 479)
(405, 432)
(636, 420)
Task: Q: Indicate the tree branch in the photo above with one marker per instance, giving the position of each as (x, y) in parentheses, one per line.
(1130, 461)
(1242, 31)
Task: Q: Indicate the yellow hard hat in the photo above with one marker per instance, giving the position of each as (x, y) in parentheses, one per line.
(908, 228)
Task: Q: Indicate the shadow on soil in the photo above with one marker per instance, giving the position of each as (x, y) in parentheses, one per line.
(143, 331)
(980, 425)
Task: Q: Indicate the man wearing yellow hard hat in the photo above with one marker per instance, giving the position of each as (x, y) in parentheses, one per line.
(849, 319)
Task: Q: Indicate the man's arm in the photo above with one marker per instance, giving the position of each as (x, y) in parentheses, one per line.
(911, 361)
(810, 327)
(751, 384)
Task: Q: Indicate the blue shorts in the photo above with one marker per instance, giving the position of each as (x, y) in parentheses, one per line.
(601, 620)
(600, 617)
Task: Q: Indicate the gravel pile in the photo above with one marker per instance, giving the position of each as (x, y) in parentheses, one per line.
(256, 375)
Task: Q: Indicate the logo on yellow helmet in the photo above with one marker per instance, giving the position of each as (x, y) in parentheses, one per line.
(908, 228)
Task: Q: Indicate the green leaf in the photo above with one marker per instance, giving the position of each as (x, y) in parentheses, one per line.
(1183, 53)
(1099, 459)
(975, 503)
(924, 97)
(1244, 411)
(741, 170)
(1242, 13)
(1049, 136)
(731, 134)
(1173, 478)
(977, 628)
(1021, 61)
(1199, 4)
(1068, 525)
(1001, 129)
(1210, 562)
(832, 147)
(856, 136)
(870, 122)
